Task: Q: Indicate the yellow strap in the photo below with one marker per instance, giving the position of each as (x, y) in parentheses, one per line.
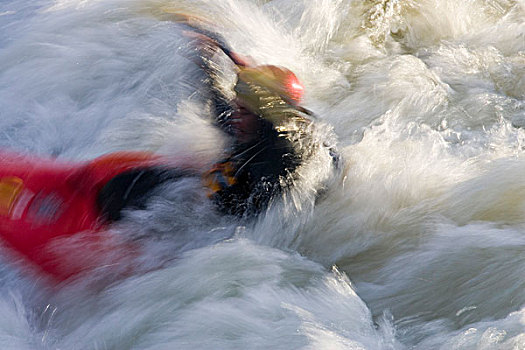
(220, 176)
(10, 188)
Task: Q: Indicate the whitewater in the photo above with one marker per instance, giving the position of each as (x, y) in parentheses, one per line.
(417, 243)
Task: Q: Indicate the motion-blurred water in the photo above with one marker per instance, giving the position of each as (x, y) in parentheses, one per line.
(418, 243)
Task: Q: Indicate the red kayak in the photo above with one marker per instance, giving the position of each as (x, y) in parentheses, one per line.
(51, 215)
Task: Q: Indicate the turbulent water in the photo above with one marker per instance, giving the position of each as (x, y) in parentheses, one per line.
(419, 242)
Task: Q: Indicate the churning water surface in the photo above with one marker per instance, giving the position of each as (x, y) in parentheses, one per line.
(419, 241)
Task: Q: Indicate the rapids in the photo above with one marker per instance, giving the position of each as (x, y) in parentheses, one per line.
(419, 241)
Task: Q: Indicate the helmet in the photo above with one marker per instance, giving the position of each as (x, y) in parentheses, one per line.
(276, 80)
(266, 90)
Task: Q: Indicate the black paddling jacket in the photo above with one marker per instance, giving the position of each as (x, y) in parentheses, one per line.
(257, 172)
(260, 170)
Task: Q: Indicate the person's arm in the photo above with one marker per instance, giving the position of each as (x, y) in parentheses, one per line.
(209, 43)
(196, 30)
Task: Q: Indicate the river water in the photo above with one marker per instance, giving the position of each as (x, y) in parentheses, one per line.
(418, 242)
